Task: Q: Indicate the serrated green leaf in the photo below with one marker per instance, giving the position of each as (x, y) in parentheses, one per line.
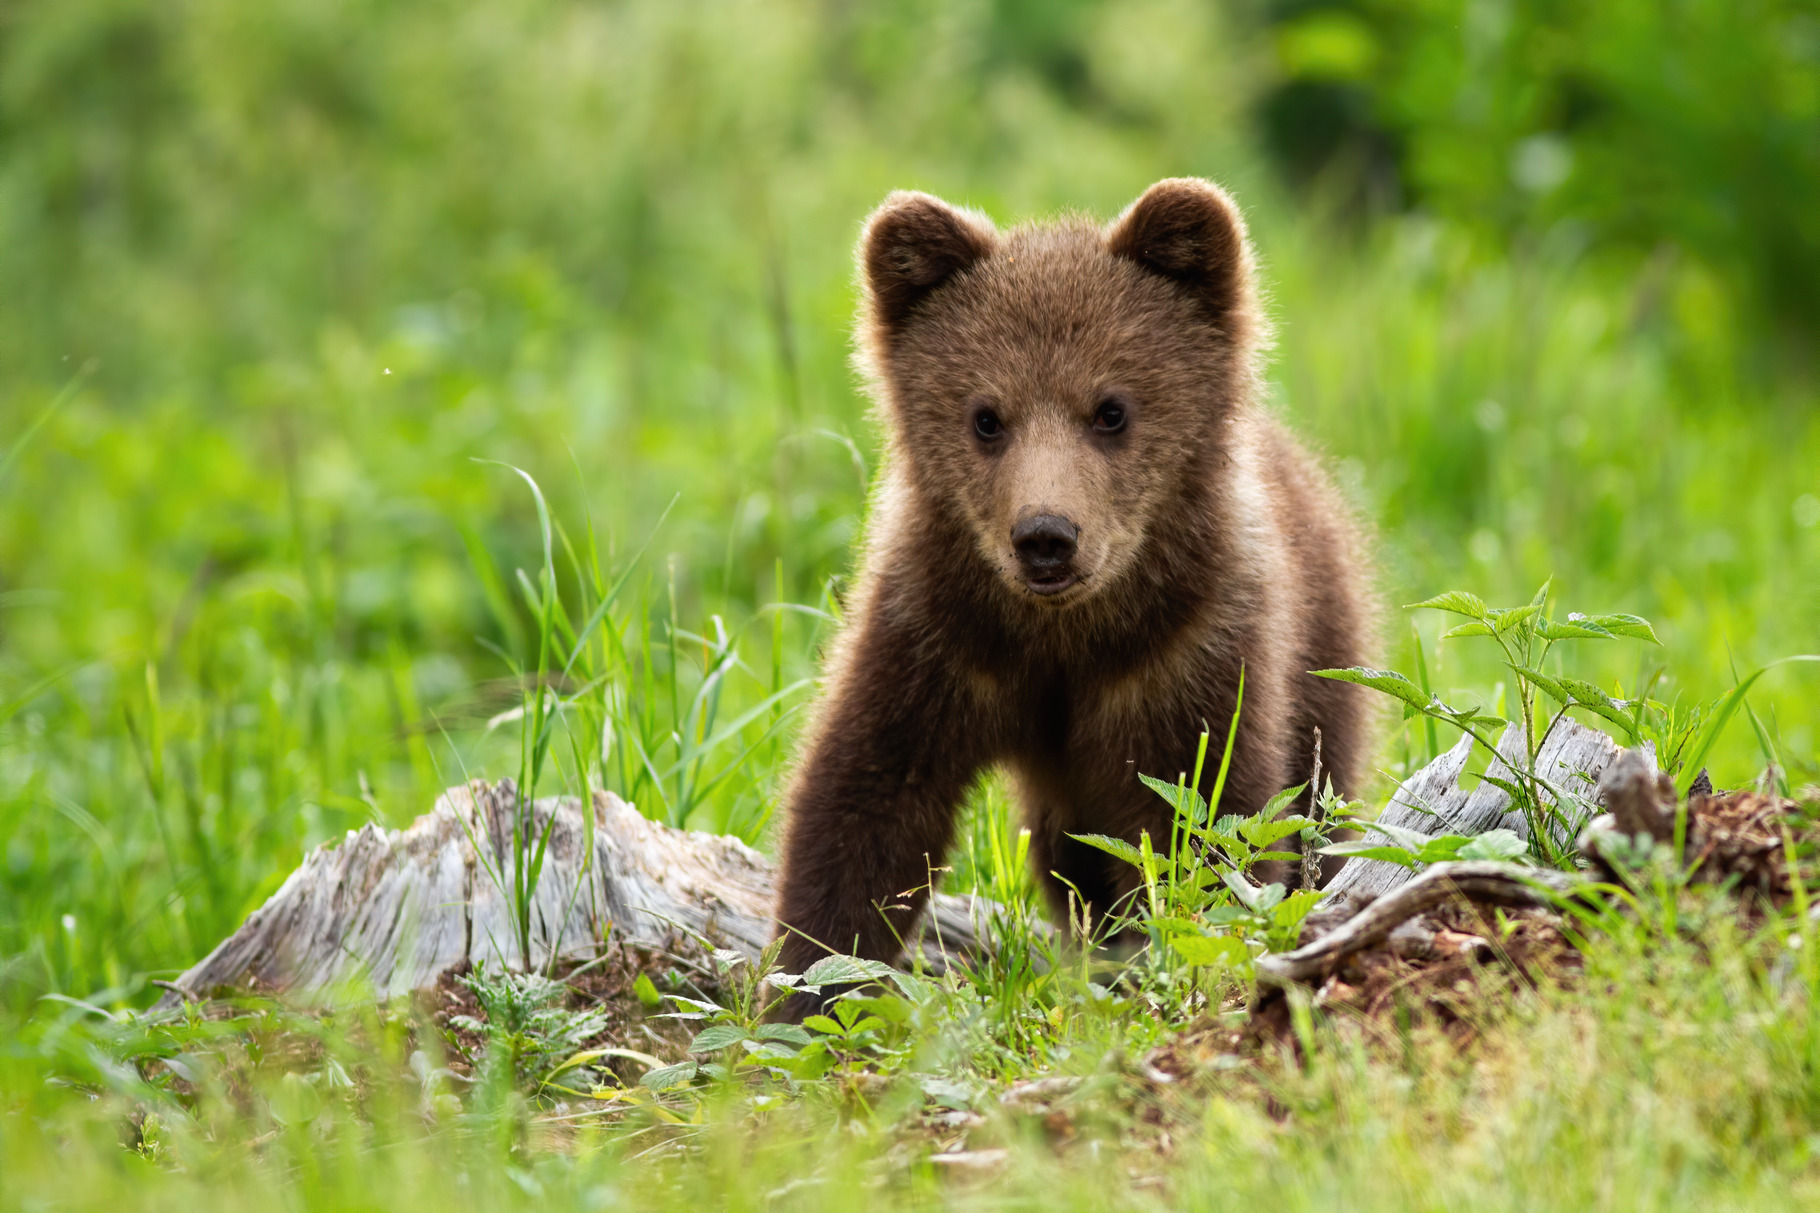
(1457, 601)
(821, 1023)
(1187, 802)
(647, 993)
(1572, 629)
(712, 1008)
(1495, 844)
(1366, 849)
(1633, 626)
(1201, 950)
(1509, 788)
(809, 1064)
(716, 1037)
(1441, 848)
(1541, 595)
(1467, 629)
(1403, 836)
(1263, 833)
(1296, 907)
(788, 1033)
(666, 1077)
(1282, 856)
(840, 970)
(890, 1007)
(1547, 682)
(1576, 692)
(1281, 800)
(1118, 848)
(1506, 618)
(1387, 681)
(1587, 695)
(770, 1051)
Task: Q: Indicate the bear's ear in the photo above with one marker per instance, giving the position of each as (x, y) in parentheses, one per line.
(1190, 231)
(914, 243)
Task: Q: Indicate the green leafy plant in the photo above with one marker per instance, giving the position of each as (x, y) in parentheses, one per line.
(1195, 901)
(529, 1032)
(736, 1036)
(1525, 635)
(1414, 849)
(859, 1028)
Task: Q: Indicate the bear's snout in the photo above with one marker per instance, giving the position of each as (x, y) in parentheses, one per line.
(1045, 545)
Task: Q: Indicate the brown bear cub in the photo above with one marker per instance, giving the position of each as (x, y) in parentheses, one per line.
(1086, 527)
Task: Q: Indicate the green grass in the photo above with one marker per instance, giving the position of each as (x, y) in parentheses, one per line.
(1681, 1067)
(279, 295)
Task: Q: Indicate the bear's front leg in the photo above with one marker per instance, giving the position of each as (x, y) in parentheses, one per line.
(871, 810)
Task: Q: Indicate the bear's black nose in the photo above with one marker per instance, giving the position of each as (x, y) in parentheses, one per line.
(1045, 544)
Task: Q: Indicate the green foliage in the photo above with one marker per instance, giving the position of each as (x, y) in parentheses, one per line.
(530, 1033)
(583, 246)
(1413, 849)
(342, 1113)
(1673, 131)
(1196, 904)
(271, 281)
(1524, 635)
(1720, 714)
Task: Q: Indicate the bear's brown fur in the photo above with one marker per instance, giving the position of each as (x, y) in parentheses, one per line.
(1085, 528)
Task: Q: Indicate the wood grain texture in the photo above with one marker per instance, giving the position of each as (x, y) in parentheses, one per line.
(1483, 881)
(1432, 801)
(387, 912)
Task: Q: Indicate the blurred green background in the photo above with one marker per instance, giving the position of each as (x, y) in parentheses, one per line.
(274, 277)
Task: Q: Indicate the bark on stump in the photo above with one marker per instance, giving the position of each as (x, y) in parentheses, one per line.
(388, 912)
(1432, 802)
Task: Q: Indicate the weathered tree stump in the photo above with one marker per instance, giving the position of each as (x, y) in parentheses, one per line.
(388, 912)
(1432, 801)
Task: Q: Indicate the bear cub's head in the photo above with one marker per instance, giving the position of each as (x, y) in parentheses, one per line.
(1061, 392)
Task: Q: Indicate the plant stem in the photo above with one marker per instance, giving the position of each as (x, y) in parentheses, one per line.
(1311, 863)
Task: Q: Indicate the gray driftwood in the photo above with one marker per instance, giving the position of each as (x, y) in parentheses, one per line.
(1432, 801)
(388, 912)
(1497, 883)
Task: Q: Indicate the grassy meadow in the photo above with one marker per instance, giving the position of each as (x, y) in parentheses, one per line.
(308, 310)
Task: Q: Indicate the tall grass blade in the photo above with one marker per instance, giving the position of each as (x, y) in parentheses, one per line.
(1722, 712)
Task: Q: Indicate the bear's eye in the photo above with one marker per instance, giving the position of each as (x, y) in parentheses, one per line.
(987, 425)
(1110, 417)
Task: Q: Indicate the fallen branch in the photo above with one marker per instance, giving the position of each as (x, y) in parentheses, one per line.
(1503, 884)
